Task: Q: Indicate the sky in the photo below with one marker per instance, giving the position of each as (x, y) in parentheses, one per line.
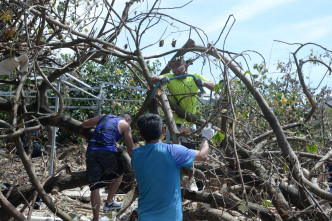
(258, 24)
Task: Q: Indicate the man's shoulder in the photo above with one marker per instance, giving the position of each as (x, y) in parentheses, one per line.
(109, 116)
(176, 148)
(142, 149)
(134, 150)
(200, 76)
(167, 75)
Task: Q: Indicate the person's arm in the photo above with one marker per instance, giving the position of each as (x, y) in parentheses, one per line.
(207, 134)
(154, 79)
(164, 79)
(125, 130)
(203, 81)
(210, 85)
(92, 122)
(203, 152)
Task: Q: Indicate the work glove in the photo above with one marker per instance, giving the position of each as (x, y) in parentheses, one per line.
(208, 132)
(164, 80)
(199, 82)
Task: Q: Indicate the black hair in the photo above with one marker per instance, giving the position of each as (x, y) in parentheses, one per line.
(150, 126)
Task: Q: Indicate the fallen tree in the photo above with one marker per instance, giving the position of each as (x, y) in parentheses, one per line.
(273, 135)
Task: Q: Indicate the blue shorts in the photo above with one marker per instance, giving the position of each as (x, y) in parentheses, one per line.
(102, 167)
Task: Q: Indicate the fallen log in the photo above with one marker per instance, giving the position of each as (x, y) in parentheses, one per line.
(225, 200)
(207, 214)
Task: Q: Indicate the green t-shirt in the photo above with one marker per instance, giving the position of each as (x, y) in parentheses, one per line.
(179, 88)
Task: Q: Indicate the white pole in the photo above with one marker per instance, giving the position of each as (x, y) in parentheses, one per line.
(100, 96)
(54, 129)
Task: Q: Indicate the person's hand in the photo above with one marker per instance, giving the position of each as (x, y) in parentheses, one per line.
(199, 82)
(208, 132)
(164, 80)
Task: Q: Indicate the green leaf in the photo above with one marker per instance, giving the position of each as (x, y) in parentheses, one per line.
(267, 203)
(286, 167)
(312, 148)
(218, 137)
(243, 208)
(279, 95)
(245, 114)
(218, 86)
(248, 72)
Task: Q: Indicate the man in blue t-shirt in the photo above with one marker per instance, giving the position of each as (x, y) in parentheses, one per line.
(103, 161)
(157, 169)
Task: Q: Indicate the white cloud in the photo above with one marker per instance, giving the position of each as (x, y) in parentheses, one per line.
(312, 23)
(305, 31)
(316, 34)
(248, 9)
(245, 10)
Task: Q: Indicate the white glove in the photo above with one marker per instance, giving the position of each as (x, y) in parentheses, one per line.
(208, 132)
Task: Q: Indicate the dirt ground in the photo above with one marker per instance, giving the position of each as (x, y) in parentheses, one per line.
(75, 202)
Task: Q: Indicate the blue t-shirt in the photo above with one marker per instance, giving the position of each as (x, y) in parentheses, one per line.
(329, 169)
(157, 171)
(106, 134)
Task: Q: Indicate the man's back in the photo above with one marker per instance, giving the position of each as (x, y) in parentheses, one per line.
(157, 170)
(106, 134)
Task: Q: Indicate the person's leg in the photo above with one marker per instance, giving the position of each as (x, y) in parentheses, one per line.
(94, 171)
(113, 164)
(113, 188)
(95, 203)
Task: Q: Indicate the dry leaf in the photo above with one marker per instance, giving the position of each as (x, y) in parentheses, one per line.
(8, 66)
(23, 60)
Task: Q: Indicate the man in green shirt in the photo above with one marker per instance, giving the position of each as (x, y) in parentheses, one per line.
(183, 92)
